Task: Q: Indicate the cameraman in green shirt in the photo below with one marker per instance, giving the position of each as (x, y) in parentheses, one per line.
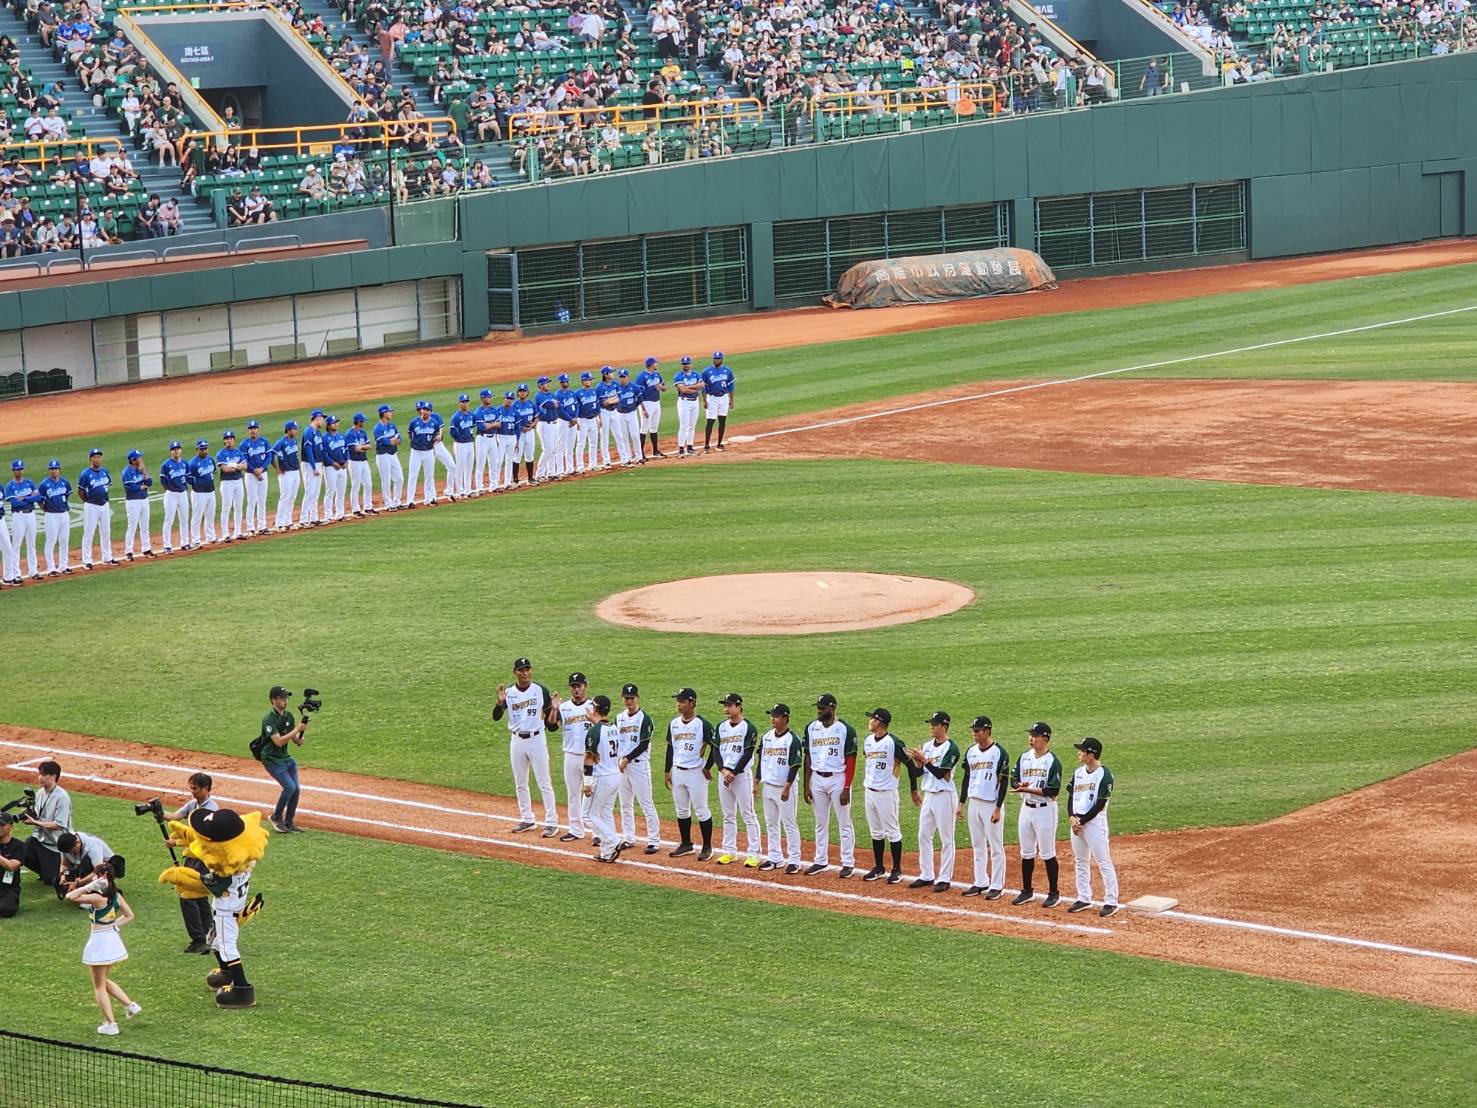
(278, 729)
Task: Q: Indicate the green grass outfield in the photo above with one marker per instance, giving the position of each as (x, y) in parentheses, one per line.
(414, 971)
(1235, 647)
(776, 383)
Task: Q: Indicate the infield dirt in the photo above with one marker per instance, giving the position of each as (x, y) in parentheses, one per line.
(1343, 866)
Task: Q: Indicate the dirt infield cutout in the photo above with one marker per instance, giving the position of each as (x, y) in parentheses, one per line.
(783, 603)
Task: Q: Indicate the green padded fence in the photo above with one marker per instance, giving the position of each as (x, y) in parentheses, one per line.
(1113, 228)
(810, 255)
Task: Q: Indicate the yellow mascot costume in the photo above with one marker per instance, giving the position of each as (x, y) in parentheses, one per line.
(229, 846)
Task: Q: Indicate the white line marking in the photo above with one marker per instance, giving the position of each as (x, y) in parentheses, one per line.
(1321, 936)
(1101, 373)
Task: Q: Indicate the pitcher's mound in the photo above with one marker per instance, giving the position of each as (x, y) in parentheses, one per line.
(783, 603)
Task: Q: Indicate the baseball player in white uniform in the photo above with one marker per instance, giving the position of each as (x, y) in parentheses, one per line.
(258, 454)
(173, 475)
(986, 770)
(1092, 786)
(361, 483)
(231, 463)
(635, 728)
(136, 484)
(885, 758)
(689, 391)
(689, 768)
(780, 759)
(312, 470)
(736, 738)
(602, 779)
(830, 762)
(574, 721)
(937, 759)
(529, 710)
(1037, 779)
(23, 499)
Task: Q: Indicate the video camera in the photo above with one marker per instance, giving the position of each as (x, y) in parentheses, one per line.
(154, 806)
(26, 803)
(311, 702)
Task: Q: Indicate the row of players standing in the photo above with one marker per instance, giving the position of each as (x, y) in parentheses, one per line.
(552, 434)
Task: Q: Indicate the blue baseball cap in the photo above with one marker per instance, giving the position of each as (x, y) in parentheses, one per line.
(95, 452)
(587, 376)
(650, 362)
(252, 425)
(430, 406)
(385, 409)
(134, 455)
(420, 405)
(290, 425)
(228, 435)
(486, 394)
(53, 464)
(564, 378)
(606, 369)
(317, 413)
(332, 419)
(201, 444)
(624, 373)
(717, 355)
(17, 464)
(463, 399)
(508, 396)
(358, 417)
(523, 388)
(686, 360)
(543, 380)
(175, 445)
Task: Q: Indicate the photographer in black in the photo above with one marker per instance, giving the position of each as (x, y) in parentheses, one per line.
(270, 747)
(52, 817)
(195, 910)
(11, 852)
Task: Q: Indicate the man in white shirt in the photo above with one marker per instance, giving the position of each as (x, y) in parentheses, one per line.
(937, 759)
(885, 755)
(986, 770)
(574, 719)
(529, 710)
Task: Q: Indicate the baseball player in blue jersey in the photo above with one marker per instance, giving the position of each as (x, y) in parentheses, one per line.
(22, 496)
(507, 425)
(443, 454)
(387, 457)
(524, 448)
(174, 478)
(361, 484)
(652, 387)
(335, 469)
(586, 447)
(97, 517)
(463, 430)
(689, 387)
(257, 453)
(718, 390)
(546, 405)
(310, 454)
(232, 465)
(484, 468)
(9, 575)
(201, 480)
(607, 394)
(422, 432)
(627, 423)
(288, 462)
(136, 485)
(569, 424)
(55, 492)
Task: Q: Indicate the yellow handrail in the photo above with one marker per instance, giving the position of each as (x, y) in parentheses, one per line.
(171, 73)
(635, 117)
(302, 139)
(982, 94)
(91, 146)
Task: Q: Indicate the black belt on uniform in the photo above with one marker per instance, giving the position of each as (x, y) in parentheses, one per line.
(823, 773)
(528, 734)
(1040, 804)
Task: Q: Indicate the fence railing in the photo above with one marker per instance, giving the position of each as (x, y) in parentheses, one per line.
(41, 152)
(637, 117)
(322, 138)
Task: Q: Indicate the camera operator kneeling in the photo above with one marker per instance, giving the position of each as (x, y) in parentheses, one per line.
(81, 854)
(53, 815)
(12, 850)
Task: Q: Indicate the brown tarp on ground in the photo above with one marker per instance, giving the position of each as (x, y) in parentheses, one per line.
(929, 278)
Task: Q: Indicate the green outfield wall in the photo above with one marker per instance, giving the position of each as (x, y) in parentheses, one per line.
(1356, 158)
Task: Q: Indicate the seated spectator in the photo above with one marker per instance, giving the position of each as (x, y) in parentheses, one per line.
(10, 236)
(235, 209)
(169, 217)
(312, 185)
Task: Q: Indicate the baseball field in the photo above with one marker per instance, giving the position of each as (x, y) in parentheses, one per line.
(1231, 535)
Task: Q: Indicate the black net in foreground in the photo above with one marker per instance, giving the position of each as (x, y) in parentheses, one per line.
(36, 1071)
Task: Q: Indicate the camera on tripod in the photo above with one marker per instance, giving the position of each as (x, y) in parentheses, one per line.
(26, 802)
(154, 806)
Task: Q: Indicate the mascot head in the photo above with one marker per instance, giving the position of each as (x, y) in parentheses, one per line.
(225, 842)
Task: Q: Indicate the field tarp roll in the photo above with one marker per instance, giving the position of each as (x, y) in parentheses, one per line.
(931, 278)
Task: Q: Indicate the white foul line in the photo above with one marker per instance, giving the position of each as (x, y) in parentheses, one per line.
(1323, 937)
(1101, 373)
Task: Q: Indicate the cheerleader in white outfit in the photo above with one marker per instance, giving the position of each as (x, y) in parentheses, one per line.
(107, 911)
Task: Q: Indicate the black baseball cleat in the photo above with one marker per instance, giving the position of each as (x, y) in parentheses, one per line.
(150, 554)
(876, 873)
(1107, 909)
(818, 867)
(1025, 896)
(550, 831)
(766, 865)
(569, 837)
(1080, 906)
(846, 871)
(705, 854)
(722, 447)
(920, 883)
(595, 840)
(973, 890)
(217, 979)
(129, 555)
(1051, 901)
(236, 996)
(526, 825)
(683, 850)
(941, 887)
(994, 894)
(627, 844)
(652, 848)
(793, 867)
(894, 877)
(197, 946)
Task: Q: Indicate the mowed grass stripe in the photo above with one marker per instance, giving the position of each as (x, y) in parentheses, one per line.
(414, 971)
(817, 379)
(1191, 626)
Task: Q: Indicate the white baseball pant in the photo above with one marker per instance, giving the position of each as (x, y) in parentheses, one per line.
(233, 499)
(287, 485)
(826, 796)
(202, 516)
(531, 754)
(524, 450)
(586, 445)
(227, 926)
(686, 422)
(1036, 829)
(136, 516)
(736, 798)
(422, 469)
(881, 806)
(568, 436)
(97, 520)
(605, 429)
(335, 482)
(444, 456)
(623, 438)
(1091, 845)
(601, 812)
(484, 470)
(176, 512)
(8, 570)
(361, 486)
(465, 460)
(312, 486)
(23, 537)
(988, 840)
(936, 817)
(392, 479)
(632, 424)
(504, 448)
(59, 541)
(256, 501)
(690, 793)
(548, 457)
(716, 406)
(651, 416)
(781, 815)
(635, 789)
(574, 789)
